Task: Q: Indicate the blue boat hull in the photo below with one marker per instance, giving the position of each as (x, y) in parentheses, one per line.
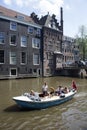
(42, 105)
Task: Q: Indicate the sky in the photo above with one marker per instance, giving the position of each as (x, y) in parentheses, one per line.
(74, 11)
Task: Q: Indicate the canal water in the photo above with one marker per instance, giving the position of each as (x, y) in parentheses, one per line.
(71, 115)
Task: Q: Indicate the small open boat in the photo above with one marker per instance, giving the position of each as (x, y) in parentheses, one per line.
(38, 102)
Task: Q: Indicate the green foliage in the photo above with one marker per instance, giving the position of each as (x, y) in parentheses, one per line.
(81, 39)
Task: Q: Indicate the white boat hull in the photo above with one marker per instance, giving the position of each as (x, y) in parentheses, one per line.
(48, 101)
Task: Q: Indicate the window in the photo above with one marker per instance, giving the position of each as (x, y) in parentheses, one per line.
(35, 70)
(13, 26)
(23, 41)
(23, 57)
(1, 56)
(2, 37)
(35, 43)
(13, 58)
(13, 71)
(36, 59)
(20, 17)
(30, 30)
(50, 61)
(13, 39)
(38, 32)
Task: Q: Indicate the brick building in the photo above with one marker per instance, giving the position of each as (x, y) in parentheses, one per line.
(29, 46)
(70, 50)
(20, 45)
(52, 33)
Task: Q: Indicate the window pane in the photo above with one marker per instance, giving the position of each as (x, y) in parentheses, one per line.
(13, 39)
(36, 59)
(23, 41)
(30, 30)
(13, 58)
(13, 26)
(2, 38)
(20, 17)
(38, 32)
(13, 72)
(35, 43)
(1, 56)
(23, 58)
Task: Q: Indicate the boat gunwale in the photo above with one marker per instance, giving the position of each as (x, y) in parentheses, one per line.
(45, 101)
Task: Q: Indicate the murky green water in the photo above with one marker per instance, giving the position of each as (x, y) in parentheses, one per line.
(71, 115)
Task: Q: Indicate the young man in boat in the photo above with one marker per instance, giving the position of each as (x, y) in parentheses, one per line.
(45, 89)
(59, 90)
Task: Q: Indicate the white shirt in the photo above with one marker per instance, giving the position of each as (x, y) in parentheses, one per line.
(45, 87)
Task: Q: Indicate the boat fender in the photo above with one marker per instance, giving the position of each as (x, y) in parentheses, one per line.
(35, 99)
(62, 95)
(26, 94)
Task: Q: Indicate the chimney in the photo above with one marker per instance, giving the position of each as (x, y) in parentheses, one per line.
(61, 18)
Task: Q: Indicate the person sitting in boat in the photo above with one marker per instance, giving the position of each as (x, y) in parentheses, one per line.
(32, 93)
(45, 89)
(74, 86)
(65, 90)
(52, 90)
(59, 90)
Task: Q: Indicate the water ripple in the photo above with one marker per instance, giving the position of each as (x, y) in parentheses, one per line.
(71, 115)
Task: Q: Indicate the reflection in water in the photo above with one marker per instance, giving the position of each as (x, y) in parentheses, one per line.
(71, 115)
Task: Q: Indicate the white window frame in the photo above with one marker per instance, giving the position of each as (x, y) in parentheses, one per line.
(35, 59)
(14, 69)
(13, 44)
(13, 59)
(23, 41)
(36, 43)
(20, 17)
(25, 58)
(2, 37)
(30, 29)
(13, 26)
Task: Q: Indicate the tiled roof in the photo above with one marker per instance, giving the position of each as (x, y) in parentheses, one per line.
(13, 14)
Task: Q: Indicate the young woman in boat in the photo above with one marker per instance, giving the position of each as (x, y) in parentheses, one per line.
(74, 86)
(66, 90)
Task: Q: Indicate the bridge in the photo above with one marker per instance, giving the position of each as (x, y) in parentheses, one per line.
(76, 67)
(74, 71)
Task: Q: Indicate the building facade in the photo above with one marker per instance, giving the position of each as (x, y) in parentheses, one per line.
(52, 33)
(20, 45)
(70, 50)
